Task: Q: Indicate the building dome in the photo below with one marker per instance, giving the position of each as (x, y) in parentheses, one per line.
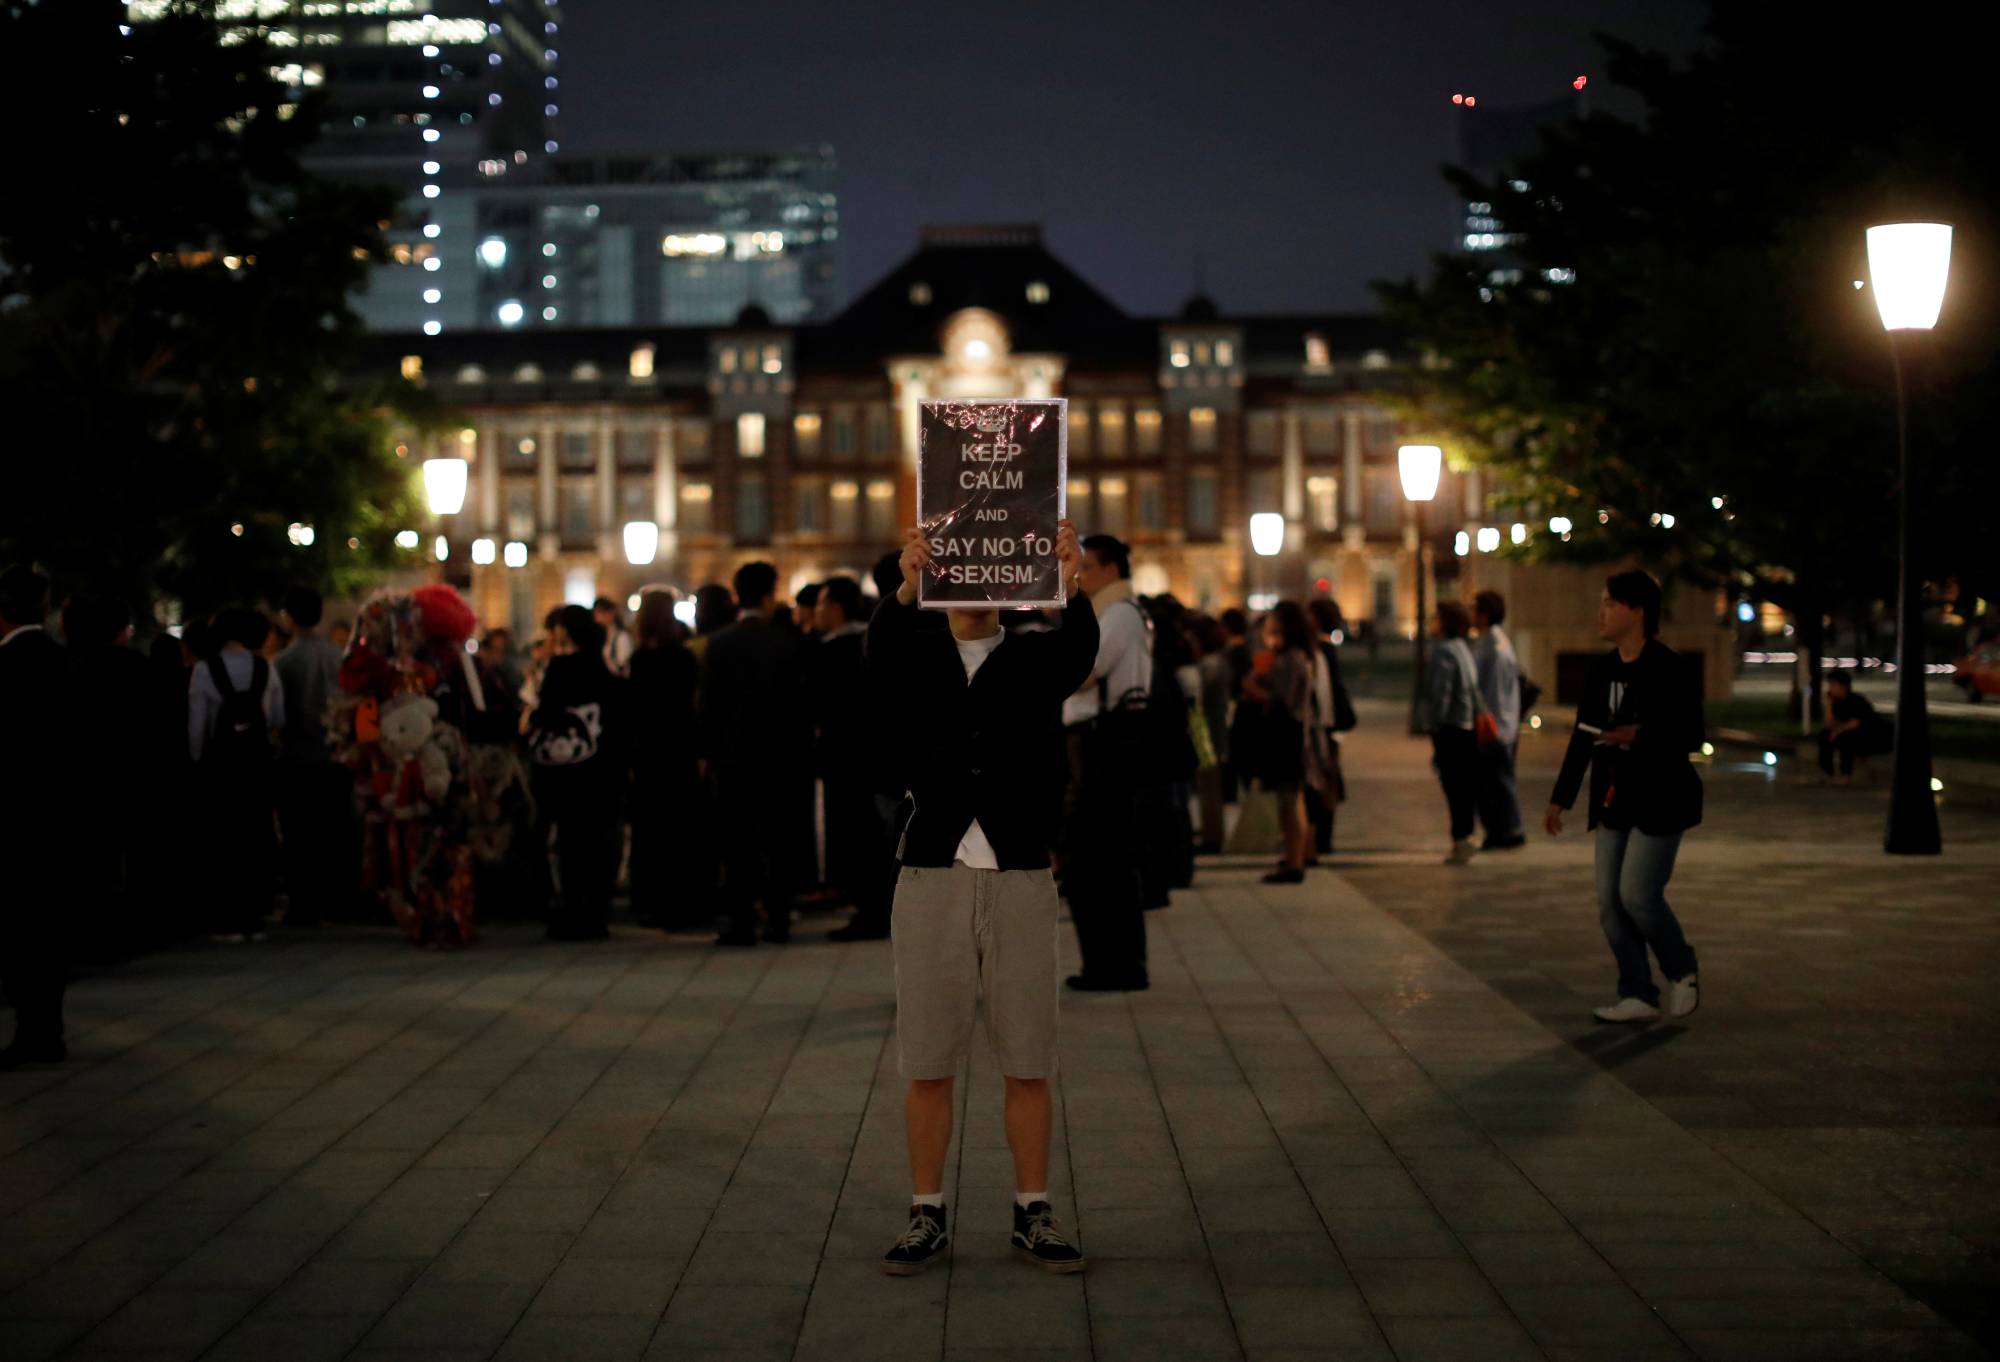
(1200, 308)
(754, 318)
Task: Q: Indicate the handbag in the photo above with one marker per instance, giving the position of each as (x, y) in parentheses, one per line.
(1485, 728)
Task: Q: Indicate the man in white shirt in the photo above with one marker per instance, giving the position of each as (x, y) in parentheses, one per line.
(1101, 846)
(1500, 686)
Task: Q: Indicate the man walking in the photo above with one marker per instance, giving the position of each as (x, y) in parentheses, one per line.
(38, 807)
(1113, 741)
(753, 726)
(975, 906)
(1637, 720)
(1499, 673)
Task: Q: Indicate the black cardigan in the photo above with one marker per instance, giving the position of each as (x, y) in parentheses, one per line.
(1652, 785)
(991, 750)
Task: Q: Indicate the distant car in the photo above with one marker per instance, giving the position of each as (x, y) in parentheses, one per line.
(1978, 672)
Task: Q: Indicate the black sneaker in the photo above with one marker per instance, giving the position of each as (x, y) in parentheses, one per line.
(1037, 1239)
(924, 1240)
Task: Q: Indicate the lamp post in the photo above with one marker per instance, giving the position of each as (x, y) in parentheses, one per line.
(642, 542)
(1267, 534)
(1908, 263)
(1419, 466)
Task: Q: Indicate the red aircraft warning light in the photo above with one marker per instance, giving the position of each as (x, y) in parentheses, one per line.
(1579, 82)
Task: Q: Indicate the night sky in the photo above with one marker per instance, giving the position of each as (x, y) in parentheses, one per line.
(1294, 145)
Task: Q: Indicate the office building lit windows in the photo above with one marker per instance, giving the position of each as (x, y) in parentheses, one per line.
(750, 435)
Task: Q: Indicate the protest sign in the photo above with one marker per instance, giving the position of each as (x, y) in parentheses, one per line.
(990, 483)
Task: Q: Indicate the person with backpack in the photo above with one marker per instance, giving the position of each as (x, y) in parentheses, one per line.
(577, 743)
(1111, 733)
(236, 710)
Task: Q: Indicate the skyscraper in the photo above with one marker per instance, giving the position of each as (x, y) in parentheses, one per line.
(433, 97)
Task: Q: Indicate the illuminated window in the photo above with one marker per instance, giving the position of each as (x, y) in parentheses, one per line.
(1038, 292)
(774, 359)
(521, 513)
(1202, 353)
(678, 244)
(697, 515)
(1177, 354)
(726, 360)
(1152, 502)
(1317, 356)
(1204, 505)
(1201, 430)
(1111, 431)
(882, 511)
(805, 435)
(1322, 503)
(750, 435)
(845, 522)
(1079, 428)
(642, 360)
(1113, 510)
(413, 367)
(753, 511)
(1225, 353)
(1146, 430)
(920, 295)
(1077, 505)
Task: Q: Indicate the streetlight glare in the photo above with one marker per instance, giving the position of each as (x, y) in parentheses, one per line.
(1267, 533)
(1420, 466)
(444, 485)
(482, 551)
(1908, 263)
(515, 554)
(642, 542)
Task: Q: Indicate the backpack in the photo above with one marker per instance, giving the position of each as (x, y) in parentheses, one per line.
(242, 738)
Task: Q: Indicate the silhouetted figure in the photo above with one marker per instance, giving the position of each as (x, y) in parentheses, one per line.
(109, 749)
(666, 788)
(315, 792)
(236, 710)
(860, 861)
(573, 736)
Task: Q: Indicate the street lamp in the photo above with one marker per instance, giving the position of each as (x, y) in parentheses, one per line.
(642, 542)
(444, 485)
(1908, 263)
(1420, 467)
(1267, 535)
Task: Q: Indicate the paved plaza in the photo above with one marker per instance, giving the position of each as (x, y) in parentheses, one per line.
(1366, 1117)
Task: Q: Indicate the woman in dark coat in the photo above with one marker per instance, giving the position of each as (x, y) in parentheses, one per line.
(669, 888)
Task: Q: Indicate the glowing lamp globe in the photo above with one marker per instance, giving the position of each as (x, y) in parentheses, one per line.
(444, 485)
(1267, 533)
(642, 542)
(1420, 467)
(1908, 263)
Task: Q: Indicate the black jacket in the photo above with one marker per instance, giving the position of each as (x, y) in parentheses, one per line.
(1652, 786)
(753, 718)
(991, 750)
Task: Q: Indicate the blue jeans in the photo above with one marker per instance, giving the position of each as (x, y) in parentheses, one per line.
(1633, 868)
(1499, 804)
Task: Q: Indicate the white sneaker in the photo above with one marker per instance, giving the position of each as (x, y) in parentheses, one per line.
(1683, 997)
(1462, 853)
(1627, 1010)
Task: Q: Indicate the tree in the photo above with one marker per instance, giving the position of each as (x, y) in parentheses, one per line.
(1684, 367)
(173, 320)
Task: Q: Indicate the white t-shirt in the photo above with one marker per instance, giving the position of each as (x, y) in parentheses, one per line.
(1124, 661)
(974, 850)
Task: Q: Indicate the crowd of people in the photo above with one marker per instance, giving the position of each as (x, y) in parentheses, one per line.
(728, 775)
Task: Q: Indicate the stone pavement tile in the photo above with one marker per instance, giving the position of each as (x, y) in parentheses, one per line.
(480, 1149)
(1537, 1258)
(233, 1259)
(1490, 1338)
(1363, 1187)
(741, 1316)
(1211, 1169)
(1819, 1311)
(609, 1286)
(438, 1315)
(186, 1321)
(886, 1338)
(1036, 1310)
(1424, 1286)
(1370, 1233)
(1834, 1345)
(857, 1288)
(1142, 1338)
(32, 1340)
(1152, 1288)
(653, 1187)
(295, 1338)
(1259, 1259)
(1330, 1317)
(775, 1210)
(345, 1286)
(1274, 1210)
(1004, 1354)
(1608, 1318)
(1123, 1148)
(410, 1233)
(666, 1348)
(1105, 1188)
(370, 1352)
(577, 1338)
(775, 1259)
(548, 1167)
(77, 1288)
(480, 1254)
(1151, 1233)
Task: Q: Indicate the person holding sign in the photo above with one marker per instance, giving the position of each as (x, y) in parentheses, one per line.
(975, 905)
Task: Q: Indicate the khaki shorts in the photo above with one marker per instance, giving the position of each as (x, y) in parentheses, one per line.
(961, 932)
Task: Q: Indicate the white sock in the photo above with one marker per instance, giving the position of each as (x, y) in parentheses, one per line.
(928, 1199)
(1027, 1199)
